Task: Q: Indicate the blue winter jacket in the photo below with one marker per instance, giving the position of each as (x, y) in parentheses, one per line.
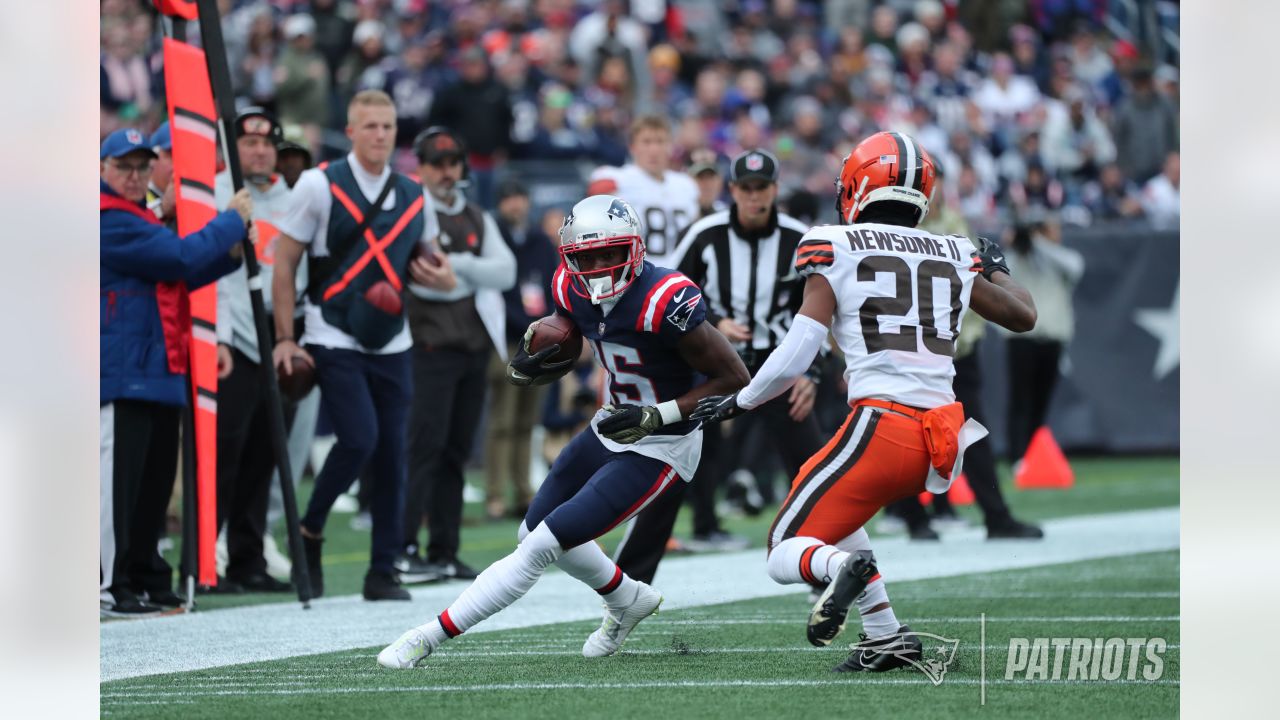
(134, 256)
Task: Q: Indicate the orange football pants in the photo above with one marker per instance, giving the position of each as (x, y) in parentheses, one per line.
(878, 456)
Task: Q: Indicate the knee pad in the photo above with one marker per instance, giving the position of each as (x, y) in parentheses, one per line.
(540, 547)
(786, 556)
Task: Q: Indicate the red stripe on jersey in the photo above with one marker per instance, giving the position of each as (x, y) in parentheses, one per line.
(665, 299)
(560, 288)
(644, 304)
(874, 578)
(602, 186)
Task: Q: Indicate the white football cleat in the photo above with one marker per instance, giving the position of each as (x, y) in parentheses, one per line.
(613, 631)
(407, 652)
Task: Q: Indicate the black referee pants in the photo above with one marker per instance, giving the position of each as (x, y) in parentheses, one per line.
(246, 459)
(645, 543)
(139, 463)
(1033, 374)
(448, 397)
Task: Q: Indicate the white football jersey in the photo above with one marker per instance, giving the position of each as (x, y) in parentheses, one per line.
(900, 295)
(665, 207)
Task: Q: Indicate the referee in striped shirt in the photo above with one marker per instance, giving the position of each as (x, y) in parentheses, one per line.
(743, 258)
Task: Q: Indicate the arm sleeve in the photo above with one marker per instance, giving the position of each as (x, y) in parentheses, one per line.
(495, 267)
(792, 358)
(134, 247)
(303, 219)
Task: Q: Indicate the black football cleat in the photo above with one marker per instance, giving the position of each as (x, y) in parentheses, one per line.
(827, 618)
(881, 654)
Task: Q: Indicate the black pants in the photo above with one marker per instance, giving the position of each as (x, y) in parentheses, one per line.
(646, 540)
(139, 462)
(1033, 373)
(979, 459)
(246, 459)
(366, 397)
(448, 396)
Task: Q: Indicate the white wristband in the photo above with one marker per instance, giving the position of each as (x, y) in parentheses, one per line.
(670, 412)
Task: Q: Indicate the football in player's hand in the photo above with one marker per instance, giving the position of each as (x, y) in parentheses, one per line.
(384, 297)
(296, 384)
(556, 330)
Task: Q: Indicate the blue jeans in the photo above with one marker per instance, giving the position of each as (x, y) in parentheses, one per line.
(367, 399)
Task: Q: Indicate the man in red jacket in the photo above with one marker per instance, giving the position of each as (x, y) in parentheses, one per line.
(146, 272)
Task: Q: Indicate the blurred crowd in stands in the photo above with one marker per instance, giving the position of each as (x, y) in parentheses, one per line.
(1064, 106)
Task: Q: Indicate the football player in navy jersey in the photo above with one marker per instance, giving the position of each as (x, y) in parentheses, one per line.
(646, 326)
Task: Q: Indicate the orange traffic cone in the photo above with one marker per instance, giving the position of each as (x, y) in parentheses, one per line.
(1044, 465)
(959, 494)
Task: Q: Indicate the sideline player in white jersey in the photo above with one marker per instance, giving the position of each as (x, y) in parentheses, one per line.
(666, 200)
(893, 296)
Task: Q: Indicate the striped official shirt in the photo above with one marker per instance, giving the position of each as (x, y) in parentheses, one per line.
(752, 281)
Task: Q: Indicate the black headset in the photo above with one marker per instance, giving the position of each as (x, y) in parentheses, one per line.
(420, 145)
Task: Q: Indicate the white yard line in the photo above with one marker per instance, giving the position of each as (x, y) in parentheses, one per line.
(259, 689)
(272, 632)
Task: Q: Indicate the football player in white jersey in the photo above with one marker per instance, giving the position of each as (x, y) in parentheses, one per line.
(666, 200)
(893, 296)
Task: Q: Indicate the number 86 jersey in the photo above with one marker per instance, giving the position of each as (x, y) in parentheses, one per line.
(900, 295)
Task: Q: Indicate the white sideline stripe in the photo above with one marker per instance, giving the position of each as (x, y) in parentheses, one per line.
(272, 632)
(462, 655)
(858, 680)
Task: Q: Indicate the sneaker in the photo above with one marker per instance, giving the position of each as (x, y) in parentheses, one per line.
(923, 532)
(827, 618)
(948, 520)
(1014, 530)
(452, 569)
(165, 599)
(128, 605)
(262, 582)
(383, 586)
(881, 654)
(617, 625)
(277, 564)
(361, 521)
(414, 570)
(717, 541)
(408, 651)
(224, 587)
(890, 524)
(741, 491)
(315, 573)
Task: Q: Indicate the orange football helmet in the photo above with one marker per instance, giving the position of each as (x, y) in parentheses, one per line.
(885, 166)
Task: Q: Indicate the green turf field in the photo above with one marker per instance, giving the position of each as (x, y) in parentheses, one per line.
(1102, 485)
(745, 659)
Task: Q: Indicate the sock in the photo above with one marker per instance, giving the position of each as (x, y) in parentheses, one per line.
(880, 623)
(503, 582)
(588, 563)
(792, 560)
(436, 632)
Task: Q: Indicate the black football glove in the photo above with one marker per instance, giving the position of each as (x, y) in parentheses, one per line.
(526, 369)
(991, 255)
(629, 423)
(716, 408)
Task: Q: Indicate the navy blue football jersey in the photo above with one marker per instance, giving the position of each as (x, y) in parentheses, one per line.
(636, 340)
